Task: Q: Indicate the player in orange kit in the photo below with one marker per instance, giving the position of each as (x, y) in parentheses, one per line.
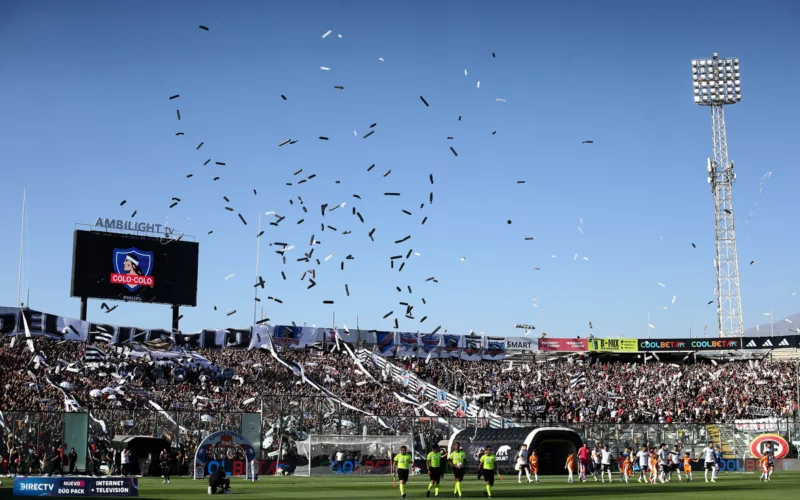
(763, 464)
(570, 466)
(687, 466)
(534, 461)
(653, 465)
(625, 468)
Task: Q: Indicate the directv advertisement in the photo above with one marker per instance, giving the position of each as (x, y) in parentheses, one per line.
(134, 268)
(75, 487)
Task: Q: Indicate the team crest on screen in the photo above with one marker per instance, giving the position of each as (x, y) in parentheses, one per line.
(133, 268)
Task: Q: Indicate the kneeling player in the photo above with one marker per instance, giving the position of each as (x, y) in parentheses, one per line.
(458, 460)
(219, 480)
(404, 461)
(434, 464)
(486, 465)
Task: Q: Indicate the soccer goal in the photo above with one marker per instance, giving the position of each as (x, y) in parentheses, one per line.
(354, 455)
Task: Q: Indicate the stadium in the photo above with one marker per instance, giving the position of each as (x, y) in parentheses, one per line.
(131, 373)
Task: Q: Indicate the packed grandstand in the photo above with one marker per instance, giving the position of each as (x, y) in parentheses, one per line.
(182, 393)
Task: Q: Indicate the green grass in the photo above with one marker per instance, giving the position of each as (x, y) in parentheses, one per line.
(729, 486)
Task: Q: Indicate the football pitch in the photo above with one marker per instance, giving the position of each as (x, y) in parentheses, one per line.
(728, 486)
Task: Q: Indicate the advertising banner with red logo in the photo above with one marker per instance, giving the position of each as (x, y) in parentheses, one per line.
(563, 345)
(758, 446)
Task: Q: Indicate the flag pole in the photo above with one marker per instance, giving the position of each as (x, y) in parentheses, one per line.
(21, 239)
(258, 252)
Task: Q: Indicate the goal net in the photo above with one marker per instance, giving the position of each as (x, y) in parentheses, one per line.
(350, 454)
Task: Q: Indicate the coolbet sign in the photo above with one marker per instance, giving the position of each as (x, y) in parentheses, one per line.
(687, 344)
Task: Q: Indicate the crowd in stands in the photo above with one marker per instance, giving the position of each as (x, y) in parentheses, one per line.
(126, 388)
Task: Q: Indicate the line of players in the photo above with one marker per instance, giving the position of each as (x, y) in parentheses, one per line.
(458, 464)
(656, 464)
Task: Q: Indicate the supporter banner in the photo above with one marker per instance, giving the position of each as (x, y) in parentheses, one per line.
(614, 345)
(779, 342)
(75, 487)
(385, 343)
(570, 345)
(495, 349)
(430, 345)
(757, 424)
(407, 344)
(473, 345)
(520, 344)
(451, 346)
(295, 337)
(259, 337)
(688, 344)
(39, 323)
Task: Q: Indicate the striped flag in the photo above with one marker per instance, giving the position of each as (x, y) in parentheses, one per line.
(101, 334)
(578, 381)
(94, 355)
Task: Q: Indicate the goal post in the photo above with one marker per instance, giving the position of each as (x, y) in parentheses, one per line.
(351, 455)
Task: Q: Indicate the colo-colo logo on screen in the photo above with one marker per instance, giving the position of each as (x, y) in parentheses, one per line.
(133, 268)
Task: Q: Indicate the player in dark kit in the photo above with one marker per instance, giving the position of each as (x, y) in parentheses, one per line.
(73, 460)
(164, 459)
(219, 480)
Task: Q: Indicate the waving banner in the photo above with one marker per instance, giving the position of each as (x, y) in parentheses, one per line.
(451, 346)
(473, 345)
(430, 345)
(385, 343)
(466, 347)
(295, 337)
(407, 344)
(495, 349)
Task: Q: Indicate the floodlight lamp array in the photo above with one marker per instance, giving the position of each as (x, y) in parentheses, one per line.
(716, 81)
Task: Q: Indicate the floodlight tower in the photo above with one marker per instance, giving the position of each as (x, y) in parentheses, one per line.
(716, 83)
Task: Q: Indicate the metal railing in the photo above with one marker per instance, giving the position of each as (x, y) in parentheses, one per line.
(295, 418)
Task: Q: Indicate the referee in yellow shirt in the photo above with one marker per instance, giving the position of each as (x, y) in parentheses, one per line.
(434, 463)
(487, 466)
(403, 461)
(458, 459)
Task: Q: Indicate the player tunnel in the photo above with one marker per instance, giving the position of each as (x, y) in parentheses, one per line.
(552, 444)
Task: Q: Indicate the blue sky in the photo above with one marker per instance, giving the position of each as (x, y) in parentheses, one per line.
(86, 122)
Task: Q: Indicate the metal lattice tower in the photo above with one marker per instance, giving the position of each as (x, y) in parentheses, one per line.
(716, 83)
